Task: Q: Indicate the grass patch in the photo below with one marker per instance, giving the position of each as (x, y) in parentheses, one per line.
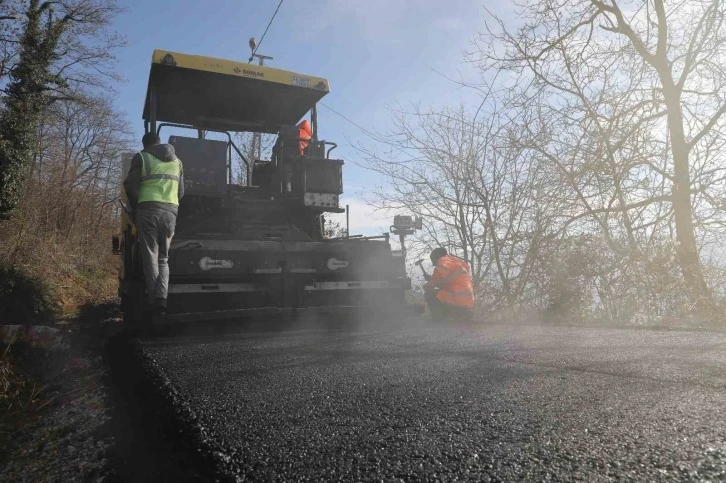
(55, 283)
(20, 400)
(10, 384)
(17, 392)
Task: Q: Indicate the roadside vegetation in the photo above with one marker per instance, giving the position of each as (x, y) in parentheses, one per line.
(60, 142)
(19, 398)
(588, 180)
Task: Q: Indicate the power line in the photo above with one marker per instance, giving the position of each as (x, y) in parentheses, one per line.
(366, 131)
(376, 137)
(265, 33)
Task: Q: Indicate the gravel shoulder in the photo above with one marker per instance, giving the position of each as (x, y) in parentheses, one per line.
(54, 430)
(88, 412)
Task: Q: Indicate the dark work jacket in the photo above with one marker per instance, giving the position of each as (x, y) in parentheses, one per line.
(132, 183)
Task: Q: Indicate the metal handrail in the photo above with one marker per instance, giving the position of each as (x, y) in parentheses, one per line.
(323, 142)
(327, 155)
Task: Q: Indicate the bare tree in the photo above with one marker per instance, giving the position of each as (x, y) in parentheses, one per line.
(643, 86)
(250, 147)
(53, 46)
(333, 229)
(475, 189)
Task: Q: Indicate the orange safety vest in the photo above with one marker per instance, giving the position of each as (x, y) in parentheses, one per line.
(305, 133)
(452, 276)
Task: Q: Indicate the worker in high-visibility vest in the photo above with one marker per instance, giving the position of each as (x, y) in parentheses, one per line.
(305, 134)
(154, 186)
(449, 291)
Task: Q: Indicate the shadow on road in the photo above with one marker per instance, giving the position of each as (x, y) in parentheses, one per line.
(149, 446)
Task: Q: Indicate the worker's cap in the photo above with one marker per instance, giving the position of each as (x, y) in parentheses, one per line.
(438, 253)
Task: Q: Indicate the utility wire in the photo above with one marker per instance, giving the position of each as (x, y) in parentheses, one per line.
(376, 137)
(265, 33)
(366, 131)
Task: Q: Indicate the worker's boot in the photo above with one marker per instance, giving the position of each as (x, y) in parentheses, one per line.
(159, 307)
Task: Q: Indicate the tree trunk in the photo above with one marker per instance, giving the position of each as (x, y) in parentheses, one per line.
(699, 292)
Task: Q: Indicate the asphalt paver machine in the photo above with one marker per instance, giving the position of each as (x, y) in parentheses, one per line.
(257, 247)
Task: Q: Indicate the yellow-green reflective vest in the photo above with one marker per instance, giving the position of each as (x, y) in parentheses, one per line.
(159, 180)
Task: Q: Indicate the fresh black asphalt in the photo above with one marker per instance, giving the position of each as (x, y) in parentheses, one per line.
(412, 400)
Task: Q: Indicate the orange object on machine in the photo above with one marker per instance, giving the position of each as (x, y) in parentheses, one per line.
(452, 276)
(305, 133)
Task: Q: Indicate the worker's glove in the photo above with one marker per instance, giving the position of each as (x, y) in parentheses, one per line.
(427, 277)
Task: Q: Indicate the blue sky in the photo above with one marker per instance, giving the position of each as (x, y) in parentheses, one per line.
(374, 53)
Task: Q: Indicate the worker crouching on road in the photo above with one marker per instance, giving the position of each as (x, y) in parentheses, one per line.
(449, 291)
(154, 186)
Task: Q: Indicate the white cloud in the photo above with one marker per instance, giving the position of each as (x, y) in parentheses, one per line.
(364, 219)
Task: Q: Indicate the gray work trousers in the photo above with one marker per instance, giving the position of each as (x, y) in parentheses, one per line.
(156, 229)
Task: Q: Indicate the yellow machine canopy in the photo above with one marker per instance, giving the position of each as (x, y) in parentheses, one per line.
(224, 95)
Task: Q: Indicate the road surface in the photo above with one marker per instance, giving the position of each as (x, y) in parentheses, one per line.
(413, 400)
